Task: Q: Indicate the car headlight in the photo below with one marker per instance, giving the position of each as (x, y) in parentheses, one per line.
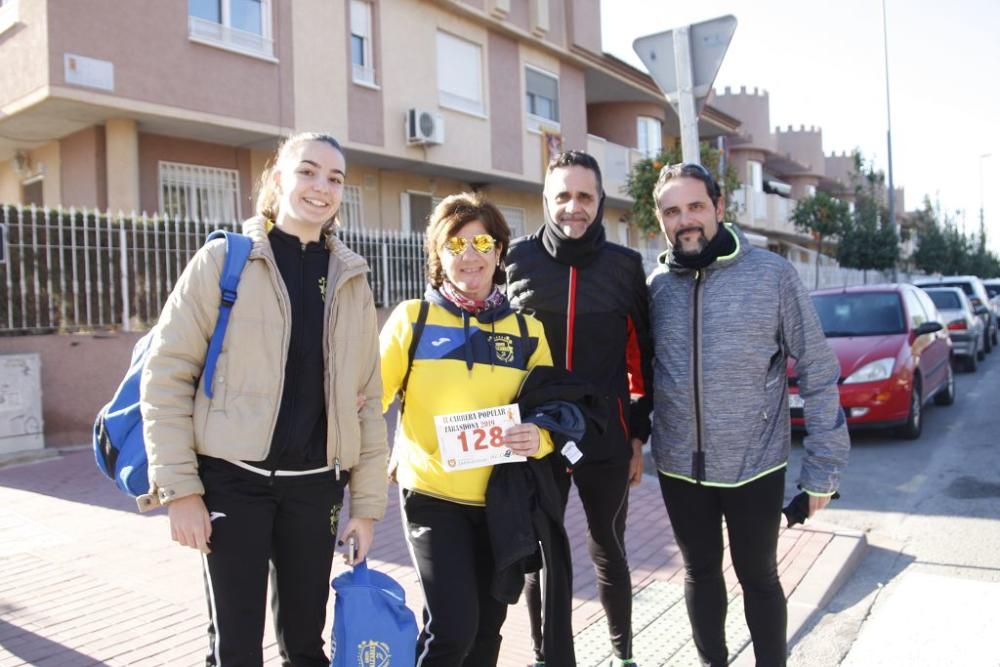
(873, 372)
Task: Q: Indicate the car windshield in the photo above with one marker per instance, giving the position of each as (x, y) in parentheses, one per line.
(945, 300)
(993, 290)
(964, 286)
(860, 314)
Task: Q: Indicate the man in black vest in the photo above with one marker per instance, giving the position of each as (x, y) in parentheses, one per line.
(591, 296)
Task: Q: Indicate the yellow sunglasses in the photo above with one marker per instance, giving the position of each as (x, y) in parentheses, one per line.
(484, 244)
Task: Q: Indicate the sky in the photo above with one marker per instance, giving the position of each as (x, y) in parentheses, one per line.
(823, 64)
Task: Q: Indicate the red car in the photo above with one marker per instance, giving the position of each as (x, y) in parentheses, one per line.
(894, 352)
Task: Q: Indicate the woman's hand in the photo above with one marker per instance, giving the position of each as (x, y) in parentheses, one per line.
(190, 525)
(363, 531)
(523, 439)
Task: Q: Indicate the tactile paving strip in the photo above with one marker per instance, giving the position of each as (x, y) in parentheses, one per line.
(661, 630)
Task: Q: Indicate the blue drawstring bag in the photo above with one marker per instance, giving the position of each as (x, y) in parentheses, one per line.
(372, 625)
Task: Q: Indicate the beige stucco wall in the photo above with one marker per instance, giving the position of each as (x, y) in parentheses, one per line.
(507, 117)
(147, 41)
(80, 373)
(25, 54)
(753, 109)
(10, 184)
(804, 145)
(617, 121)
(46, 160)
(123, 166)
(584, 21)
(320, 34)
(83, 169)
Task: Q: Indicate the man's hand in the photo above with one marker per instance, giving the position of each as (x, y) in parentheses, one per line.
(189, 523)
(364, 533)
(816, 503)
(523, 439)
(635, 464)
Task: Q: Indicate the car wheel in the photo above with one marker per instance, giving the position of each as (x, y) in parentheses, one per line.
(946, 395)
(987, 345)
(971, 362)
(915, 422)
(982, 350)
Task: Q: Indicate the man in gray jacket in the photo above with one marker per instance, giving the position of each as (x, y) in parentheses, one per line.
(725, 317)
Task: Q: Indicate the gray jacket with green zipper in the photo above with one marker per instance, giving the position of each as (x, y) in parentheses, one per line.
(721, 339)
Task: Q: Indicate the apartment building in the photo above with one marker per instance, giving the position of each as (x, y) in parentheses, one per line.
(175, 105)
(779, 167)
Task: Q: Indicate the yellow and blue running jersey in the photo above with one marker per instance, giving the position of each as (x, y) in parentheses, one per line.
(442, 382)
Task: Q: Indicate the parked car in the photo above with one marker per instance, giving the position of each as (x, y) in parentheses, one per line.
(894, 352)
(992, 286)
(976, 291)
(964, 328)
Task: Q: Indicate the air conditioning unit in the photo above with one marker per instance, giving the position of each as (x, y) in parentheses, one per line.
(424, 127)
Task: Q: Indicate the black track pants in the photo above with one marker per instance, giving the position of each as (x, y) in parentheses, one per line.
(753, 518)
(603, 490)
(450, 546)
(282, 527)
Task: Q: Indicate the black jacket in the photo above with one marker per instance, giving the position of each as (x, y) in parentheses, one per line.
(299, 440)
(547, 386)
(591, 294)
(523, 512)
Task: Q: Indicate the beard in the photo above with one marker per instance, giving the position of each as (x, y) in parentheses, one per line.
(701, 243)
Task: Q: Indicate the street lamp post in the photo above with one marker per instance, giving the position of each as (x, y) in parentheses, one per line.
(982, 216)
(888, 135)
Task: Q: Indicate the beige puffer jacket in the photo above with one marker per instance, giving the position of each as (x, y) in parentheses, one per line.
(180, 421)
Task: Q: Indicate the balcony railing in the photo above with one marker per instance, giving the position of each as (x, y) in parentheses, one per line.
(233, 39)
(8, 15)
(765, 212)
(616, 163)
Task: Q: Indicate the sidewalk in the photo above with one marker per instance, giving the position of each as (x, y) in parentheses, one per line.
(86, 580)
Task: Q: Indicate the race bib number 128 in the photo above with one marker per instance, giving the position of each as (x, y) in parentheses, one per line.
(475, 439)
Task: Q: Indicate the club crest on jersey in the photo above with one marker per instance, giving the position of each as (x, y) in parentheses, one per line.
(373, 654)
(503, 345)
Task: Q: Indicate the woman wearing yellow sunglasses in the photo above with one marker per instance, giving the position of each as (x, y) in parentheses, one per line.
(472, 354)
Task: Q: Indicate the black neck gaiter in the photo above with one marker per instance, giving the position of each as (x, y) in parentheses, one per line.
(575, 252)
(722, 244)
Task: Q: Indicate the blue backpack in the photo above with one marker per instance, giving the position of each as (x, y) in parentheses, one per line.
(118, 444)
(371, 623)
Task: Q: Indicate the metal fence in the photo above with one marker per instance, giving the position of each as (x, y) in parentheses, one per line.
(82, 270)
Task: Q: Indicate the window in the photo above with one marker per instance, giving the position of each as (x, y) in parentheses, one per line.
(31, 192)
(914, 309)
(350, 208)
(238, 25)
(363, 65)
(515, 220)
(415, 210)
(459, 70)
(650, 136)
(541, 92)
(755, 171)
(193, 192)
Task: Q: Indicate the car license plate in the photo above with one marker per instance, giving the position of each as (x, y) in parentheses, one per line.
(795, 401)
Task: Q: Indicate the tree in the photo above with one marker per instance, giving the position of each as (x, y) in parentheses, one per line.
(931, 255)
(642, 180)
(868, 240)
(822, 216)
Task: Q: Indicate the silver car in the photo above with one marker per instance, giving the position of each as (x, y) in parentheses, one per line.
(965, 328)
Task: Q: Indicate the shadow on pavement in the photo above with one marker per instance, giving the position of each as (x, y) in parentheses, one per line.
(33, 649)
